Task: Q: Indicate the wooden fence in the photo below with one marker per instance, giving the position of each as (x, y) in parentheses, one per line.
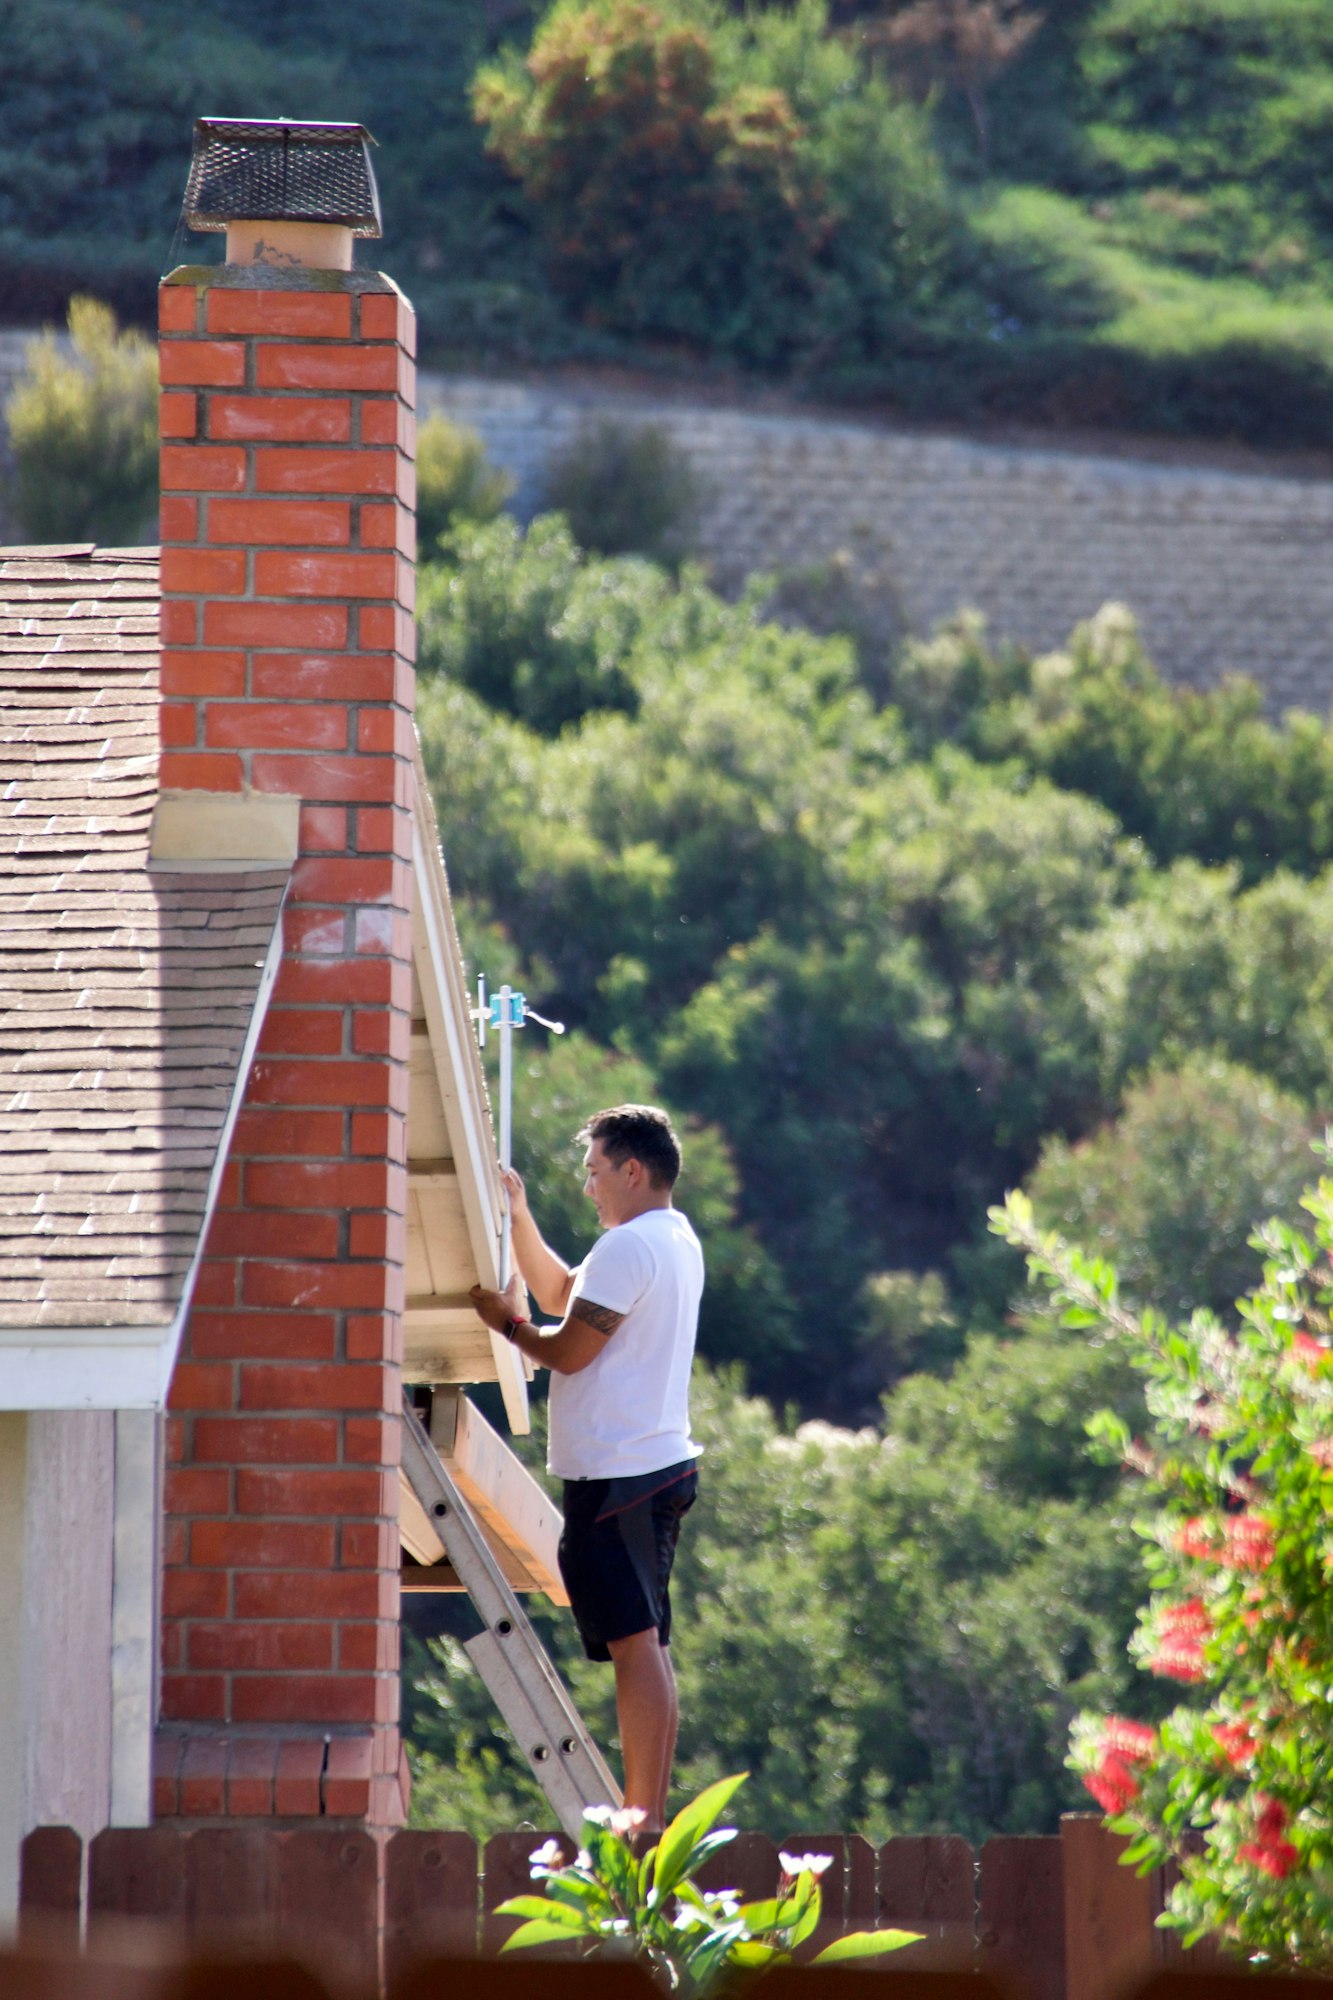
(1048, 1918)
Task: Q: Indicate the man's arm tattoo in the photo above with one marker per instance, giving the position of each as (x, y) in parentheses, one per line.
(603, 1318)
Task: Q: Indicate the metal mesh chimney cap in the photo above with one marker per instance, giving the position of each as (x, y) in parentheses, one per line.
(274, 170)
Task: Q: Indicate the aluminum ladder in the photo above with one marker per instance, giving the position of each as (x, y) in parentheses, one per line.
(507, 1653)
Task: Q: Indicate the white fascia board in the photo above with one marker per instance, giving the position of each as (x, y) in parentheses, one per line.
(444, 996)
(127, 1367)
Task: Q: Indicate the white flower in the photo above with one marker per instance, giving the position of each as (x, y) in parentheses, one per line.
(627, 1820)
(724, 1903)
(546, 1857)
(583, 1859)
(805, 1864)
(599, 1815)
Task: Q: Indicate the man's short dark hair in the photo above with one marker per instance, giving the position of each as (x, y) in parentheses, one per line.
(637, 1132)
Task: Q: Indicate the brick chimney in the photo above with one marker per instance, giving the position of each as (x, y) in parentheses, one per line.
(288, 538)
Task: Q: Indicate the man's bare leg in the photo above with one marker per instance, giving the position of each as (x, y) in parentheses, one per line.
(646, 1709)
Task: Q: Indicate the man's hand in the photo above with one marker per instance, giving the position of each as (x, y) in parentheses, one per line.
(496, 1309)
(512, 1184)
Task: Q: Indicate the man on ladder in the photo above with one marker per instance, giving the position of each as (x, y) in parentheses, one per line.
(619, 1414)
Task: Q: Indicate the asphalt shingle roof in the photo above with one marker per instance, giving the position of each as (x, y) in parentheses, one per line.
(125, 995)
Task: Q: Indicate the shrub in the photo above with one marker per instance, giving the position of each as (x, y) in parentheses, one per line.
(625, 490)
(455, 481)
(1233, 1785)
(84, 433)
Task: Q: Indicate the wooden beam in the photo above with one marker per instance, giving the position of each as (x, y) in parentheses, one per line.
(512, 1508)
(429, 1579)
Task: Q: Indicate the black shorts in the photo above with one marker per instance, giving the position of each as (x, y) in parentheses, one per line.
(616, 1552)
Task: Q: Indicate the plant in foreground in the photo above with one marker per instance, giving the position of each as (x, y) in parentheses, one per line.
(614, 1902)
(1236, 1785)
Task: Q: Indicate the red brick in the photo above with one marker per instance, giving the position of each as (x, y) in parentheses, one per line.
(342, 1387)
(377, 730)
(267, 1440)
(372, 1337)
(315, 472)
(261, 1544)
(194, 1698)
(324, 676)
(327, 777)
(313, 1594)
(166, 1764)
(177, 723)
(382, 930)
(296, 1787)
(278, 574)
(347, 1777)
(246, 725)
(385, 628)
(173, 1541)
(379, 1236)
(197, 770)
(177, 414)
(313, 315)
(199, 673)
(389, 527)
(203, 1777)
(375, 1134)
(297, 1697)
(386, 316)
(173, 1440)
(202, 363)
(273, 1081)
(178, 517)
(368, 1648)
(280, 419)
(266, 1336)
(323, 829)
(350, 367)
(381, 830)
(198, 1387)
(317, 1184)
(344, 1286)
(302, 1031)
(371, 1441)
(194, 1489)
(231, 1646)
(176, 308)
(203, 468)
(216, 1283)
(384, 420)
(303, 625)
(367, 980)
(381, 1033)
(251, 1768)
(240, 1234)
(281, 523)
(203, 572)
(178, 624)
(282, 1134)
(345, 879)
(344, 1491)
(229, 1192)
(194, 1593)
(306, 931)
(368, 1544)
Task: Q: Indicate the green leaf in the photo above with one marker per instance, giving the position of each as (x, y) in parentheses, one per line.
(536, 1933)
(545, 1911)
(809, 1917)
(689, 1827)
(865, 1944)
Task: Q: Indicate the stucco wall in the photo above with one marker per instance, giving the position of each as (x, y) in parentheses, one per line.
(56, 1514)
(1226, 570)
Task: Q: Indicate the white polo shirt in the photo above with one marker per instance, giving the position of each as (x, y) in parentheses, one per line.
(628, 1411)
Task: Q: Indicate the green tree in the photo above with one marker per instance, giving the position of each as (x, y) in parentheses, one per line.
(455, 481)
(83, 431)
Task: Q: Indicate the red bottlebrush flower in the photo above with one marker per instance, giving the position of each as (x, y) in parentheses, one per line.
(1182, 1629)
(1177, 1662)
(1192, 1619)
(1249, 1542)
(1276, 1858)
(1304, 1347)
(1236, 1742)
(1112, 1784)
(1197, 1539)
(1134, 1741)
(1271, 1817)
